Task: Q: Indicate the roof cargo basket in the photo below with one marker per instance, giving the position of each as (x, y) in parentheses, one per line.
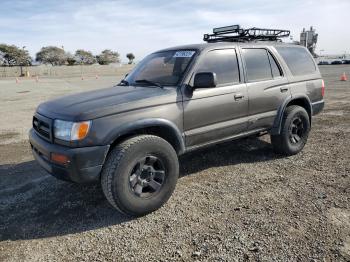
(235, 33)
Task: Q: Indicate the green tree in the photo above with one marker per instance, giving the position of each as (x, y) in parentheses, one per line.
(70, 59)
(52, 55)
(11, 55)
(107, 57)
(131, 57)
(84, 57)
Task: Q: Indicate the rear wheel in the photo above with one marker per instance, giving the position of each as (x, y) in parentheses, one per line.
(140, 174)
(294, 131)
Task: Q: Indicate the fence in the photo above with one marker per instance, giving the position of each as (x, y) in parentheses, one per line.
(66, 71)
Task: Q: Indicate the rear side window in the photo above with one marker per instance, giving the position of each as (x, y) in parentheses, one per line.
(223, 63)
(276, 71)
(298, 60)
(257, 64)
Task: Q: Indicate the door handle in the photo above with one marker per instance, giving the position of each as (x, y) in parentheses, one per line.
(284, 89)
(239, 96)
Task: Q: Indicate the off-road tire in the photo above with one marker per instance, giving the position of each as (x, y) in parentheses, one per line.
(282, 143)
(118, 167)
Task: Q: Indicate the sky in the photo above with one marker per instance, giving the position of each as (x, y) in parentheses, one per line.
(145, 26)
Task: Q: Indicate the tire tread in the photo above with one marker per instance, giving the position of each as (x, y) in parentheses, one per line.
(111, 164)
(277, 142)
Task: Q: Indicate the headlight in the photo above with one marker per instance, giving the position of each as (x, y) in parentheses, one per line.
(71, 131)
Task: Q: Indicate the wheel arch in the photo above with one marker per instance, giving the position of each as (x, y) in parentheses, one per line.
(301, 100)
(155, 126)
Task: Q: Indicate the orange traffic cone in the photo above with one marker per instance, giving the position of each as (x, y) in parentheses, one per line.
(17, 80)
(343, 77)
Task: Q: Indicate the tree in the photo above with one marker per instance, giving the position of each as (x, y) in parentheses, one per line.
(11, 55)
(108, 56)
(131, 58)
(70, 59)
(52, 55)
(84, 57)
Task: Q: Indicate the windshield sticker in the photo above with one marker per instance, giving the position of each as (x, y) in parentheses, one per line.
(184, 53)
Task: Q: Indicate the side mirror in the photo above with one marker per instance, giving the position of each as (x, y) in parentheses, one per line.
(204, 80)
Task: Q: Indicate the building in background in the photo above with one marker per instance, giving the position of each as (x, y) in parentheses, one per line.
(309, 40)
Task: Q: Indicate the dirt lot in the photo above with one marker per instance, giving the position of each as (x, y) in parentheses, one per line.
(234, 202)
(18, 101)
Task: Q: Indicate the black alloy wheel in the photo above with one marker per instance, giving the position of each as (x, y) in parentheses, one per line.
(147, 176)
(296, 130)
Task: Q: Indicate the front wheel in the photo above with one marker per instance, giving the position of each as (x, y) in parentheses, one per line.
(294, 131)
(140, 174)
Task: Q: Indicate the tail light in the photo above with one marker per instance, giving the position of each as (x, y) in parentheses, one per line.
(322, 88)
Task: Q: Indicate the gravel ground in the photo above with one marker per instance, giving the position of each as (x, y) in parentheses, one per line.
(234, 202)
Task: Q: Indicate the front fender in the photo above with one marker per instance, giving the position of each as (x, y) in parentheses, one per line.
(131, 127)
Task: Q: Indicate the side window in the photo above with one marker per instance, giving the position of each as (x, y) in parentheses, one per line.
(257, 64)
(224, 63)
(276, 71)
(298, 59)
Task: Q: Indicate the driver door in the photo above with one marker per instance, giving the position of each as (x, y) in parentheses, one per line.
(216, 113)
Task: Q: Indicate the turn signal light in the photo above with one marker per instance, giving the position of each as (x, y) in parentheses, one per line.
(80, 130)
(60, 159)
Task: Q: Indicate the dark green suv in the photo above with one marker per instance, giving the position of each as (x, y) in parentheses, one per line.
(128, 137)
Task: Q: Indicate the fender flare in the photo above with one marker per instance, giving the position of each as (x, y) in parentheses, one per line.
(277, 124)
(131, 127)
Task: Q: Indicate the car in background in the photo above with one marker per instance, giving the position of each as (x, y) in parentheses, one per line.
(337, 62)
(323, 63)
(346, 62)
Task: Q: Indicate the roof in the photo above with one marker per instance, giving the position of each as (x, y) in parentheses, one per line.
(234, 35)
(205, 46)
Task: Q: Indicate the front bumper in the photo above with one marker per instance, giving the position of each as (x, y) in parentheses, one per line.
(84, 166)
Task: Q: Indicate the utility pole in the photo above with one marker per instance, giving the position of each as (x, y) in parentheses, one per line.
(21, 63)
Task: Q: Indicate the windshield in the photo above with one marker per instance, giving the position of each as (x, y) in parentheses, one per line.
(163, 68)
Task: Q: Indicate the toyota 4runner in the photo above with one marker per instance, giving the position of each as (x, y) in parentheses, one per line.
(128, 137)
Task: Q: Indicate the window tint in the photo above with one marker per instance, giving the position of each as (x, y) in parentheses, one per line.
(276, 71)
(223, 63)
(166, 68)
(257, 64)
(298, 60)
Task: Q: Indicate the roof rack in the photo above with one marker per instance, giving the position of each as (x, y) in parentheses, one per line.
(235, 33)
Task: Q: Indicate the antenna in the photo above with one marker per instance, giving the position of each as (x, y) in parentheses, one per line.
(235, 33)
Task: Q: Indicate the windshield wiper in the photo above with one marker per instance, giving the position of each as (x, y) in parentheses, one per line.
(123, 83)
(145, 81)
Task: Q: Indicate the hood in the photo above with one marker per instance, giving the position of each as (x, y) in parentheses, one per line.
(102, 102)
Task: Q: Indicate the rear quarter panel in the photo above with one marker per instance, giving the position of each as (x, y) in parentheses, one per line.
(309, 85)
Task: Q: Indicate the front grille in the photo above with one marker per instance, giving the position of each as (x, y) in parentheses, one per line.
(42, 126)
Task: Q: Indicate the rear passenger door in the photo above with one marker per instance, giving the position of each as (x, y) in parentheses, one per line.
(213, 114)
(267, 86)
